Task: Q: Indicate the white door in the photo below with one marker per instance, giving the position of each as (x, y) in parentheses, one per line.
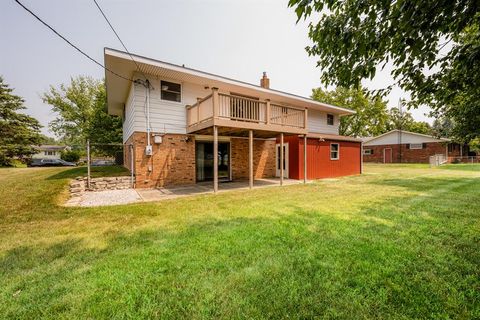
(285, 160)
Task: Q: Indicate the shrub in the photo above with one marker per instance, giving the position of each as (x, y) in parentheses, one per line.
(70, 155)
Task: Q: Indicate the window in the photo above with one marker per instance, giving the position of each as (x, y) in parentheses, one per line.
(334, 151)
(171, 91)
(330, 119)
(49, 153)
(367, 152)
(416, 146)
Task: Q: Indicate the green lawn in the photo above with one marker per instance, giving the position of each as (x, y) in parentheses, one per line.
(397, 242)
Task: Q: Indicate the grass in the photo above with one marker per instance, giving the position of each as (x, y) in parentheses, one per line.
(398, 242)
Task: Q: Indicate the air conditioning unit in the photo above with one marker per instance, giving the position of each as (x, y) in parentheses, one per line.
(148, 150)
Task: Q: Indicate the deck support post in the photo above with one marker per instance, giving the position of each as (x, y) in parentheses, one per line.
(250, 158)
(305, 159)
(282, 160)
(215, 159)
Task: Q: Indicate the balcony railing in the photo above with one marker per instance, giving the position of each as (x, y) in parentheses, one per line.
(241, 109)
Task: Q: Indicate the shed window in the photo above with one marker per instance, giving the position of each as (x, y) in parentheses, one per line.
(171, 91)
(330, 119)
(367, 152)
(416, 146)
(334, 151)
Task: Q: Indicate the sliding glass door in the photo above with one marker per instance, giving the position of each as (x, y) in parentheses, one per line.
(204, 160)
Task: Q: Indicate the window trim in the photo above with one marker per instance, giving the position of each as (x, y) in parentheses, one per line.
(369, 152)
(333, 119)
(338, 151)
(174, 82)
(417, 144)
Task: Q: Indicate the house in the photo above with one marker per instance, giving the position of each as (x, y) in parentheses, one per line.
(46, 151)
(398, 146)
(175, 119)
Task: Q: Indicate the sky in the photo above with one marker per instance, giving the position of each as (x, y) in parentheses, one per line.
(236, 39)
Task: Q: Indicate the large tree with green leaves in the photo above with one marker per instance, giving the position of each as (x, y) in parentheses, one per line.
(403, 120)
(370, 118)
(82, 114)
(433, 48)
(19, 133)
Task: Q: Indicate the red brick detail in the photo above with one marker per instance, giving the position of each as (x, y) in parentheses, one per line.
(406, 155)
(172, 162)
(263, 158)
(319, 164)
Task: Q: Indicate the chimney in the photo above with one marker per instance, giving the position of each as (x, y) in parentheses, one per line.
(265, 82)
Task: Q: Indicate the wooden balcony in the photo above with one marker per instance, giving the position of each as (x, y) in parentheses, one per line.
(241, 113)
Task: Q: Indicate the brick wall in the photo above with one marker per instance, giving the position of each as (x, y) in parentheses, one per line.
(172, 162)
(263, 158)
(407, 155)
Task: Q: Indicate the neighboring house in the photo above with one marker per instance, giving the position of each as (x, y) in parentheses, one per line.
(408, 147)
(46, 151)
(169, 130)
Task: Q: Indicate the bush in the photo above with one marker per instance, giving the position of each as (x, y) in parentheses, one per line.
(70, 156)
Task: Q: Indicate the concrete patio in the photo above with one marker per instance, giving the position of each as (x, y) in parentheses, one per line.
(119, 197)
(207, 187)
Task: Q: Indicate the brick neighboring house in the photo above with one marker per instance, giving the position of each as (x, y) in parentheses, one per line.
(176, 118)
(408, 147)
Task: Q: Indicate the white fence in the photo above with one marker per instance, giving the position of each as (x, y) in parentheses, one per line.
(437, 160)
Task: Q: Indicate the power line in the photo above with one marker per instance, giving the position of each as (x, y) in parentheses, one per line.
(71, 44)
(118, 37)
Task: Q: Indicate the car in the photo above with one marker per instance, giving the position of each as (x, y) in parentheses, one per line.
(101, 163)
(51, 163)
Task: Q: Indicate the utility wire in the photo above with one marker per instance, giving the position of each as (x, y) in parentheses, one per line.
(67, 41)
(119, 39)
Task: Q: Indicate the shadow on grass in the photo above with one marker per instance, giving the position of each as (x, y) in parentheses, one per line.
(107, 171)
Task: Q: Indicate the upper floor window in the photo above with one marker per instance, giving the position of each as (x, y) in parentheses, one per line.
(330, 119)
(334, 151)
(171, 91)
(49, 153)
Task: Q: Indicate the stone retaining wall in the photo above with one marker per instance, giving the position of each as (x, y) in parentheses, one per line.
(79, 185)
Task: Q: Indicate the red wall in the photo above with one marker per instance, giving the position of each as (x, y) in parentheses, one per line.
(319, 164)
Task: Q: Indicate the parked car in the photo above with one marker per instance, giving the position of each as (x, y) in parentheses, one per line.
(51, 163)
(101, 163)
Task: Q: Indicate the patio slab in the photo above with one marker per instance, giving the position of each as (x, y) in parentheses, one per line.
(118, 197)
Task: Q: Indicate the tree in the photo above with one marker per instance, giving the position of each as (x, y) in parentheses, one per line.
(47, 140)
(82, 115)
(475, 145)
(371, 115)
(404, 121)
(432, 46)
(442, 127)
(19, 133)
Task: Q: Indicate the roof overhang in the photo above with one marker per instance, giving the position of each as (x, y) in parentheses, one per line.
(335, 137)
(121, 63)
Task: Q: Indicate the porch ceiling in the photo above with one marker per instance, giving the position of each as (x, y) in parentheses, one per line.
(239, 132)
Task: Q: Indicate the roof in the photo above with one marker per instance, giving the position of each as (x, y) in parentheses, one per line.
(336, 137)
(121, 63)
(428, 138)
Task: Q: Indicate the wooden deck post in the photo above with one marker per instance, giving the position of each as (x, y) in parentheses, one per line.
(281, 159)
(267, 111)
(215, 159)
(215, 102)
(305, 159)
(250, 158)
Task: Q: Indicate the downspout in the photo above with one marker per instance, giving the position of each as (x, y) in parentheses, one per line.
(147, 88)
